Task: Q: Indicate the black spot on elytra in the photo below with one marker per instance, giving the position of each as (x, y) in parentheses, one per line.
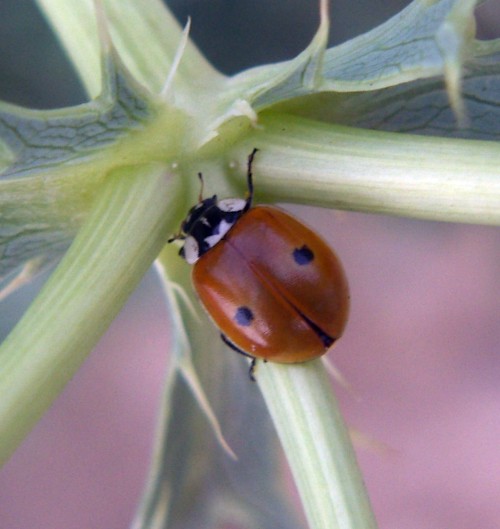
(244, 316)
(303, 255)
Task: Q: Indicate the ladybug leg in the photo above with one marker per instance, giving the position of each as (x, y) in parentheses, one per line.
(251, 371)
(230, 344)
(176, 237)
(250, 180)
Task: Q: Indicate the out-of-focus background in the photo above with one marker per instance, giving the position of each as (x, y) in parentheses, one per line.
(422, 350)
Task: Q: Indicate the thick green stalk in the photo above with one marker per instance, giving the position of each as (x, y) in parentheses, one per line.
(342, 167)
(317, 445)
(125, 231)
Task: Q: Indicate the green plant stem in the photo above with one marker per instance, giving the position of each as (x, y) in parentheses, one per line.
(125, 231)
(424, 177)
(317, 445)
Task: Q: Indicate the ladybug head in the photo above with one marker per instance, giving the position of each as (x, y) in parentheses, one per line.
(207, 223)
(209, 220)
(197, 212)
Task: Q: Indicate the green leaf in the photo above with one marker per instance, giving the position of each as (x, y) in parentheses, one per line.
(45, 139)
(422, 107)
(424, 40)
(391, 78)
(59, 159)
(265, 85)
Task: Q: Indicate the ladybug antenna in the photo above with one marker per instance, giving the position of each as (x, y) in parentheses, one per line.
(250, 179)
(202, 185)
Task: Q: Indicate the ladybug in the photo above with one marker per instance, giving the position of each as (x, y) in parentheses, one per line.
(272, 286)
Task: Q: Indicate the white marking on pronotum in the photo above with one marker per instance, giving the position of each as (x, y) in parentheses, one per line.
(232, 204)
(191, 250)
(224, 227)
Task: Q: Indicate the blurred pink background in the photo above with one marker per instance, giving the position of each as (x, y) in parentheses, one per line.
(422, 352)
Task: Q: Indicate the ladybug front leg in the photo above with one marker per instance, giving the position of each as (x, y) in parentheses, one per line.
(230, 344)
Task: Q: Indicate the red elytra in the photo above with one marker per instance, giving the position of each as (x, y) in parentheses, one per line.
(273, 287)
